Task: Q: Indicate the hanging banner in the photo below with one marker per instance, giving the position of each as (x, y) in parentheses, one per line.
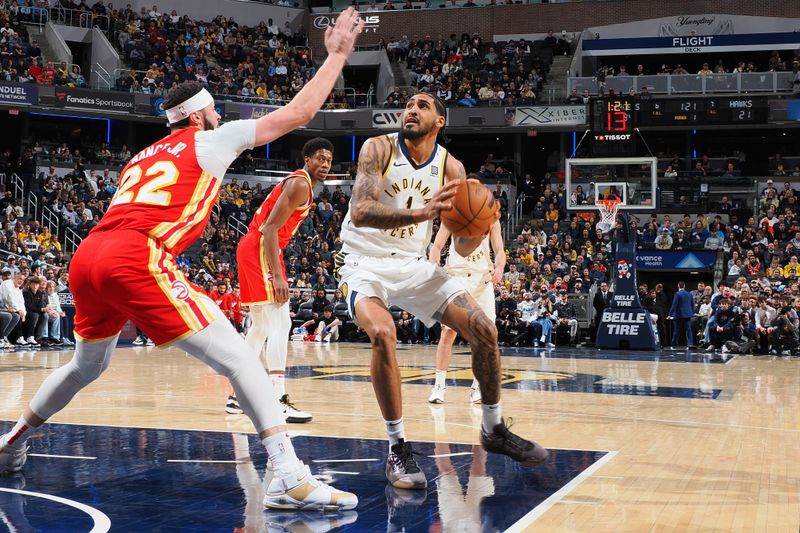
(676, 259)
(115, 102)
(550, 115)
(18, 93)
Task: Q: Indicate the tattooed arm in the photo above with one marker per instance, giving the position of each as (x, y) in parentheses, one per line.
(366, 208)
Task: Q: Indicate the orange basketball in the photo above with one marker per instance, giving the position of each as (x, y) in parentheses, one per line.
(474, 210)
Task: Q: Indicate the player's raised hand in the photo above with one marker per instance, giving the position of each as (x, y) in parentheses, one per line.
(441, 200)
(341, 37)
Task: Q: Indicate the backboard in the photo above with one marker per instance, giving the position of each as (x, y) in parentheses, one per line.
(633, 180)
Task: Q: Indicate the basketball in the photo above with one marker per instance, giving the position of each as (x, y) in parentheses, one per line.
(474, 210)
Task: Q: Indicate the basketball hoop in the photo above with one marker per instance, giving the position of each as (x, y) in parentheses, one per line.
(608, 213)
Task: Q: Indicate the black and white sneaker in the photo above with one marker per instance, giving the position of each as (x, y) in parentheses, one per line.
(138, 341)
(292, 414)
(402, 469)
(232, 407)
(501, 440)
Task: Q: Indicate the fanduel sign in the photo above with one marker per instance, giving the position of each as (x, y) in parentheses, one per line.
(554, 115)
(17, 93)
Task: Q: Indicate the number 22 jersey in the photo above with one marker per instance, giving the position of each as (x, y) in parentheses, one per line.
(167, 190)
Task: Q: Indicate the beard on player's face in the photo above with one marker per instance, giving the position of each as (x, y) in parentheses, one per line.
(208, 124)
(414, 131)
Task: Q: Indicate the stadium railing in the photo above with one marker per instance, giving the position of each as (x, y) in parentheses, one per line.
(71, 241)
(237, 226)
(75, 17)
(733, 83)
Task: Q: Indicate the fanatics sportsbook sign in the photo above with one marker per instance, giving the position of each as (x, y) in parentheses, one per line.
(95, 100)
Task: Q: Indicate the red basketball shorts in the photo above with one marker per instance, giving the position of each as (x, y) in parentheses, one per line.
(125, 275)
(255, 278)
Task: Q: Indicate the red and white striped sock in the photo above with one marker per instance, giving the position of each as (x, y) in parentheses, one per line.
(18, 436)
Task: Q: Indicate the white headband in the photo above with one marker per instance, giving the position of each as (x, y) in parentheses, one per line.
(195, 103)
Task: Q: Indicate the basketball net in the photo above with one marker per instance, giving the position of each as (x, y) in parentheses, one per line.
(608, 214)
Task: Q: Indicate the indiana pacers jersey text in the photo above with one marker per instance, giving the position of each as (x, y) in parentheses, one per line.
(479, 261)
(406, 185)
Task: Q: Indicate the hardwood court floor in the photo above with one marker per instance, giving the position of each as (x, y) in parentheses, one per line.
(697, 444)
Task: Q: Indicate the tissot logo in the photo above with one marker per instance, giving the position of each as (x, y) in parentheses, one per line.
(371, 22)
(613, 137)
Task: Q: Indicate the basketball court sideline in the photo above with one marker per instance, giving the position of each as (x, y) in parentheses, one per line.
(672, 441)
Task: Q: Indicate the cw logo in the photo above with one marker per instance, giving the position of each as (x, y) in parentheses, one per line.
(386, 119)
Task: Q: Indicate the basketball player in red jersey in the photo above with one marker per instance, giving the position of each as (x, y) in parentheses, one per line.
(262, 273)
(127, 263)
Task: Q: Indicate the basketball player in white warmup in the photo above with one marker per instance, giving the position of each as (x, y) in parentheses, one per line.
(400, 187)
(478, 274)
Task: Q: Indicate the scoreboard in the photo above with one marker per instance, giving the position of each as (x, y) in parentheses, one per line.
(702, 111)
(614, 120)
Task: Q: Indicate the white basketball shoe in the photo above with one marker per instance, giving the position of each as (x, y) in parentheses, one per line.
(302, 491)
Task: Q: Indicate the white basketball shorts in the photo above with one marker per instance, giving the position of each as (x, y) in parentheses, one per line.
(411, 283)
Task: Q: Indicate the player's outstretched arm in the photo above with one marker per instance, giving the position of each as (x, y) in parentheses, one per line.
(496, 240)
(365, 206)
(293, 194)
(339, 41)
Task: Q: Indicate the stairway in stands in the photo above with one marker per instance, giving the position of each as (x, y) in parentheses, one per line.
(400, 74)
(554, 90)
(36, 33)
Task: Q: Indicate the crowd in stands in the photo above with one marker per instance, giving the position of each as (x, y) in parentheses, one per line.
(776, 61)
(265, 61)
(555, 256)
(466, 71)
(21, 58)
(388, 5)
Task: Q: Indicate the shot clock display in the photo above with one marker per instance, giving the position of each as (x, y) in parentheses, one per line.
(612, 122)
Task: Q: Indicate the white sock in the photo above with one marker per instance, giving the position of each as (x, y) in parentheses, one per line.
(20, 433)
(475, 384)
(281, 453)
(279, 382)
(395, 430)
(440, 377)
(492, 415)
(543, 338)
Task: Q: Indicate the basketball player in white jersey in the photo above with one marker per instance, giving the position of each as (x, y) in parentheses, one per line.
(478, 274)
(400, 187)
